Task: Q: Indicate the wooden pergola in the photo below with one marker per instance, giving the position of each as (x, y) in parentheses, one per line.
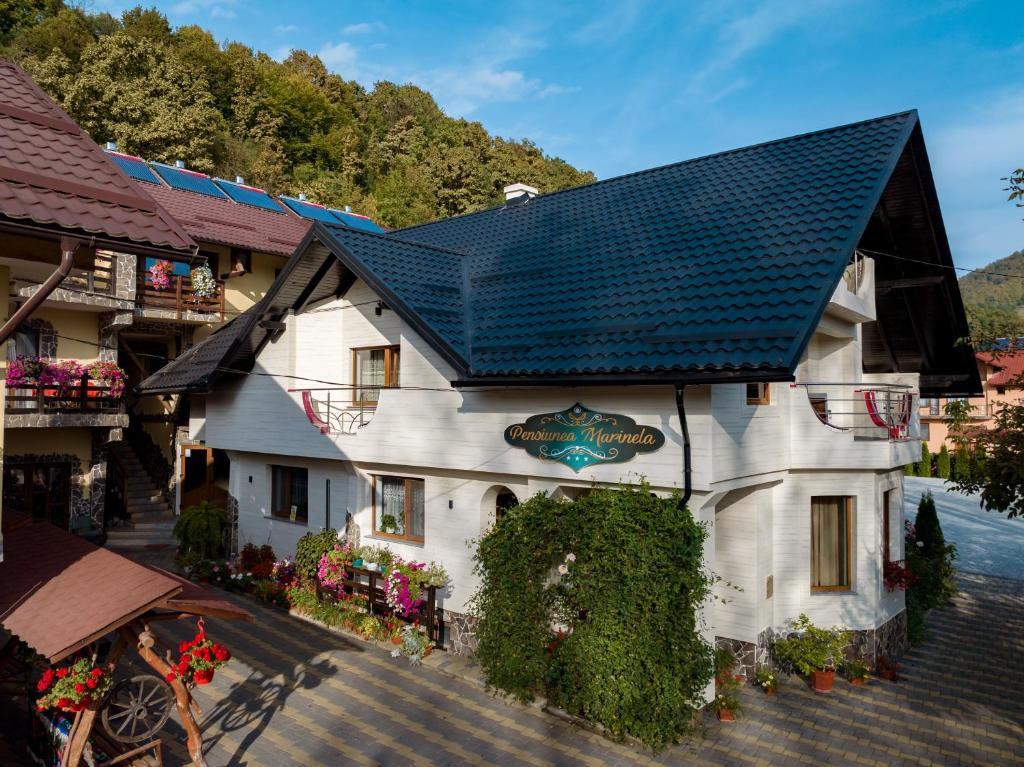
(60, 594)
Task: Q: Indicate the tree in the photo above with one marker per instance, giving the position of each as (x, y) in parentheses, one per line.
(924, 466)
(138, 93)
(995, 465)
(942, 465)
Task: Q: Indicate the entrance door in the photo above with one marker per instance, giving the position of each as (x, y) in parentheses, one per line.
(204, 475)
(42, 490)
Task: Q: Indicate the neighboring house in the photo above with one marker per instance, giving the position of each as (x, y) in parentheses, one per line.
(389, 383)
(245, 236)
(63, 203)
(1002, 382)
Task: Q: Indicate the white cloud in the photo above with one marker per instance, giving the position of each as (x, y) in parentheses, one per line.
(285, 29)
(217, 9)
(461, 92)
(363, 28)
(742, 35)
(338, 56)
(612, 25)
(220, 12)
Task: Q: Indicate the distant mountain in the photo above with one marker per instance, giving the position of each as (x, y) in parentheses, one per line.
(994, 297)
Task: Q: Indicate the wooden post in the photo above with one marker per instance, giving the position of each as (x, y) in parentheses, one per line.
(182, 697)
(177, 298)
(78, 738)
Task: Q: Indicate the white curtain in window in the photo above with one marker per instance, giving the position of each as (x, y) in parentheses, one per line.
(829, 565)
(370, 373)
(391, 505)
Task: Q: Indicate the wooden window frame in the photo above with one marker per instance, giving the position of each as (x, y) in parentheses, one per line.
(849, 548)
(287, 516)
(392, 360)
(406, 511)
(764, 396)
(887, 496)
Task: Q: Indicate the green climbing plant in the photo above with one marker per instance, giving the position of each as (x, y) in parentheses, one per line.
(594, 604)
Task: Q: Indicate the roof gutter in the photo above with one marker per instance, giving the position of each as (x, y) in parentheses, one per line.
(68, 246)
(685, 429)
(121, 246)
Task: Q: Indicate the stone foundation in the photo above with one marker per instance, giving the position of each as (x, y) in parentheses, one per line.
(749, 655)
(460, 633)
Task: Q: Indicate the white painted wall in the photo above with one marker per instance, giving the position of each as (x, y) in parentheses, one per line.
(754, 467)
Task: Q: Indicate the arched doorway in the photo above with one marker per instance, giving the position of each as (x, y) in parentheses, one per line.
(504, 501)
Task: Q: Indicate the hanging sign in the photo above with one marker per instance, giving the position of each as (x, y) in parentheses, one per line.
(580, 437)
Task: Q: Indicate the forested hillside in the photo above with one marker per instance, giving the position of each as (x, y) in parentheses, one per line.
(994, 297)
(167, 94)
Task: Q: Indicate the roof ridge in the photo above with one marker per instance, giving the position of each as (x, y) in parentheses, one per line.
(387, 236)
(657, 168)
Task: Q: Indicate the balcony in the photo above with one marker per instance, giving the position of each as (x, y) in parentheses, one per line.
(86, 403)
(93, 288)
(337, 411)
(847, 425)
(180, 301)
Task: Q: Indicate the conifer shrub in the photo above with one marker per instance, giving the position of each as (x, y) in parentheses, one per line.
(942, 463)
(929, 561)
(308, 551)
(924, 466)
(594, 604)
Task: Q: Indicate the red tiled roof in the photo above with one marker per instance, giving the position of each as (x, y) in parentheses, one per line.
(58, 592)
(54, 176)
(225, 222)
(1010, 368)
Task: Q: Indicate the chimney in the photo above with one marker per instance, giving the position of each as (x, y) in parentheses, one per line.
(112, 146)
(348, 208)
(239, 180)
(179, 163)
(513, 191)
(302, 196)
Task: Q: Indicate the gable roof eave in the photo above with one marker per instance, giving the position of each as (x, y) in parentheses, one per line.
(389, 297)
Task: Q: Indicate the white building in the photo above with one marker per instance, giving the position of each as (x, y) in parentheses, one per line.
(797, 295)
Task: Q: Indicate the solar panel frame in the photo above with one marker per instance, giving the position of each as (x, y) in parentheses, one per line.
(309, 210)
(189, 181)
(135, 167)
(353, 221)
(249, 195)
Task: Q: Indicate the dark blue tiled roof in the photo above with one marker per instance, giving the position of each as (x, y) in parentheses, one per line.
(722, 263)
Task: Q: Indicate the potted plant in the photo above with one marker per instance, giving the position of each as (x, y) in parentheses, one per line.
(203, 284)
(200, 530)
(72, 688)
(856, 671)
(768, 681)
(160, 274)
(388, 524)
(812, 651)
(727, 686)
(198, 660)
(105, 372)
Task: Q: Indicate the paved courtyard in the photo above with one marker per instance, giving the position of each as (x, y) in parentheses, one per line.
(299, 695)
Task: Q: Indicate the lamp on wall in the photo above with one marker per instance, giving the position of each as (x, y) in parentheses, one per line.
(379, 308)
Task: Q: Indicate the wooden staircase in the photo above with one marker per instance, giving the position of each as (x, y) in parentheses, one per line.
(151, 518)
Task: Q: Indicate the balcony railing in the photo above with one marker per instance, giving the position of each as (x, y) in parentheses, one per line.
(180, 298)
(85, 396)
(866, 411)
(333, 411)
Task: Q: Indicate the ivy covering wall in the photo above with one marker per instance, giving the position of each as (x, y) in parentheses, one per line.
(594, 604)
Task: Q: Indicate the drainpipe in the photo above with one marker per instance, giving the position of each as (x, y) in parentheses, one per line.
(687, 478)
(68, 246)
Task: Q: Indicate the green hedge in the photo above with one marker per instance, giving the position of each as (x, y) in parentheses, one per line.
(631, 656)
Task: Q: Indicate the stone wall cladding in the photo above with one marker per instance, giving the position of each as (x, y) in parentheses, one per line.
(460, 633)
(52, 420)
(125, 275)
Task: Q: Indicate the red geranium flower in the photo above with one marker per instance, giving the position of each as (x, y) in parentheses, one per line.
(62, 672)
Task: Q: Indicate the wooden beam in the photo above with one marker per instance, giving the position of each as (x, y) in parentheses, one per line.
(910, 282)
(182, 698)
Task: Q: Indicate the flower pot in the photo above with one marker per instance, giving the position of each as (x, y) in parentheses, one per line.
(357, 563)
(725, 715)
(429, 649)
(396, 639)
(821, 681)
(771, 693)
(858, 682)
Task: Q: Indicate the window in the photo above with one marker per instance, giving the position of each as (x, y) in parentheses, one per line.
(933, 406)
(398, 508)
(212, 261)
(289, 490)
(758, 394)
(372, 370)
(241, 261)
(891, 527)
(831, 534)
(25, 343)
(926, 431)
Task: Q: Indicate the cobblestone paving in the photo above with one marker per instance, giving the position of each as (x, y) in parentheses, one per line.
(298, 695)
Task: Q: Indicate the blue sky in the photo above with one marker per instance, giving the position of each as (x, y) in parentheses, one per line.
(620, 86)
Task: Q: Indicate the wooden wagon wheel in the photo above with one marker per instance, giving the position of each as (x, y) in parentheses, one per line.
(137, 708)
